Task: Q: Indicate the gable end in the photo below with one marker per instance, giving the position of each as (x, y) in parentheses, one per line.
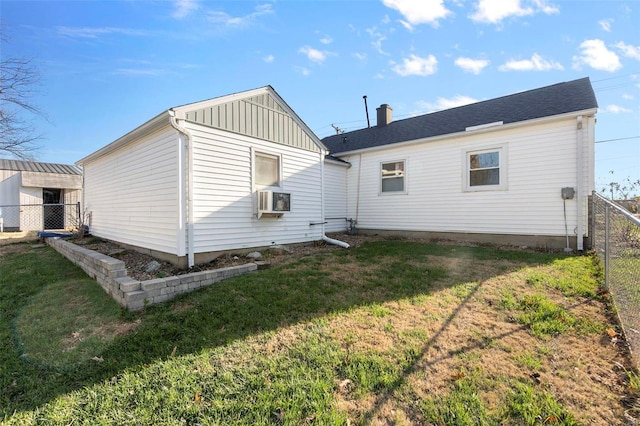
(259, 116)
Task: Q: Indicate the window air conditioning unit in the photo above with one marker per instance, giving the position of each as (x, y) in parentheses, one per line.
(273, 204)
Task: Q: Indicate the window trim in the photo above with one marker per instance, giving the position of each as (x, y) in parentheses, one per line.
(404, 177)
(254, 172)
(502, 169)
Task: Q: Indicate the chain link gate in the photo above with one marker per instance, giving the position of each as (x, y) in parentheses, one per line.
(39, 217)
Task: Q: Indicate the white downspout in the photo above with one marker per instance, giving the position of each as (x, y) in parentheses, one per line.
(580, 186)
(188, 167)
(324, 236)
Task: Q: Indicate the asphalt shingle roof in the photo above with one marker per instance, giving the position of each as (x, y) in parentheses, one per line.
(34, 166)
(561, 98)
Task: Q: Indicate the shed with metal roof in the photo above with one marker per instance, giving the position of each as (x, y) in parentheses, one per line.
(35, 196)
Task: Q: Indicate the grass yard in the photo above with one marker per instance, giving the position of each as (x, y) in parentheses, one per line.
(391, 332)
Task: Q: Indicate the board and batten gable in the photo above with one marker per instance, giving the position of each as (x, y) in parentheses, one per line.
(539, 158)
(132, 193)
(260, 116)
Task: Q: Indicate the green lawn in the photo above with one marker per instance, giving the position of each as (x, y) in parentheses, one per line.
(391, 332)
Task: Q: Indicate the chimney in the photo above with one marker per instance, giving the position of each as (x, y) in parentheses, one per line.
(384, 115)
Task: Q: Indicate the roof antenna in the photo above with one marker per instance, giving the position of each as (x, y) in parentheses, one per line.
(337, 129)
(366, 110)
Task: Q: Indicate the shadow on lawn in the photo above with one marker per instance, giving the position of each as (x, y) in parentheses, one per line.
(308, 288)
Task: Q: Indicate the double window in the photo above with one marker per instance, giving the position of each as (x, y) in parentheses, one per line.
(485, 169)
(393, 177)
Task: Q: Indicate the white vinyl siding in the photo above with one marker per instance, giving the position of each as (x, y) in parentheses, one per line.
(541, 159)
(132, 193)
(224, 201)
(335, 197)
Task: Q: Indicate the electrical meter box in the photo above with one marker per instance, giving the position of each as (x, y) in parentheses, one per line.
(567, 193)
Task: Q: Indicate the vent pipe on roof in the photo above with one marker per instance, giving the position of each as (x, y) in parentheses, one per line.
(366, 111)
(384, 115)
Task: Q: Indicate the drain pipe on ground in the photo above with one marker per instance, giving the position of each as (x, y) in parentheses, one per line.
(324, 236)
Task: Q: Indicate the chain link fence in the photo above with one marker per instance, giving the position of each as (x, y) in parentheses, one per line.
(616, 240)
(39, 217)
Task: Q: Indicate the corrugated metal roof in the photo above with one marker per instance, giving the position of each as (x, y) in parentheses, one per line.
(546, 101)
(35, 166)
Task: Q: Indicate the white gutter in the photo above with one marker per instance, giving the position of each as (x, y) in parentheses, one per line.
(324, 236)
(187, 202)
(580, 186)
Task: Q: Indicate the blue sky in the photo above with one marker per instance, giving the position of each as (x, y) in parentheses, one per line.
(109, 66)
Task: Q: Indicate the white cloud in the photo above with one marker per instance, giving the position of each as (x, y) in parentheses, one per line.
(326, 40)
(219, 17)
(546, 8)
(474, 66)
(596, 55)
(444, 103)
(629, 50)
(312, 54)
(628, 97)
(269, 59)
(140, 72)
(184, 8)
(302, 70)
(605, 24)
(360, 56)
(417, 12)
(415, 65)
(494, 11)
(96, 32)
(536, 63)
(378, 38)
(616, 109)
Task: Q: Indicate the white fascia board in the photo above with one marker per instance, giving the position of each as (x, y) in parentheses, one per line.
(339, 163)
(159, 121)
(586, 112)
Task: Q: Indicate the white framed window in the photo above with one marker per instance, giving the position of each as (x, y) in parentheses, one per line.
(486, 169)
(267, 169)
(392, 177)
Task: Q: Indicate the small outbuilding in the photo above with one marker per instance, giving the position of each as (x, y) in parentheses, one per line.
(37, 196)
(236, 172)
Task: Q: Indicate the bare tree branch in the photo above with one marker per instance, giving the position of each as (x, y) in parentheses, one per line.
(19, 77)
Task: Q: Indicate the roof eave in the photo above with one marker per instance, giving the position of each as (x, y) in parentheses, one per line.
(550, 118)
(156, 123)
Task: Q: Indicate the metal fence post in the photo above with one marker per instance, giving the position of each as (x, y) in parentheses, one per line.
(606, 245)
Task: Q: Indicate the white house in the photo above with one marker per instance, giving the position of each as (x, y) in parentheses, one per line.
(516, 169)
(35, 196)
(234, 172)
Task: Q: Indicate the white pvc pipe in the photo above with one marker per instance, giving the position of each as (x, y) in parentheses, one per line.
(335, 242)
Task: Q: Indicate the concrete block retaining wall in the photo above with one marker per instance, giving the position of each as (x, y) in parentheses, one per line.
(111, 274)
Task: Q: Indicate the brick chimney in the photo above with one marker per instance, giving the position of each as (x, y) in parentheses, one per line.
(384, 115)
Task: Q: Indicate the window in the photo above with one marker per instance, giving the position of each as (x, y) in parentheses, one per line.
(393, 177)
(267, 170)
(485, 170)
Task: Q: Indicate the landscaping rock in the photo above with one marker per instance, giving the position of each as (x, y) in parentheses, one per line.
(152, 266)
(254, 255)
